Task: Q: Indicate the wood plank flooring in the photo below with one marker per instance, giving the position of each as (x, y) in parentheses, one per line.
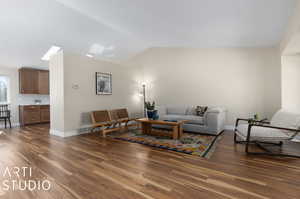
(90, 167)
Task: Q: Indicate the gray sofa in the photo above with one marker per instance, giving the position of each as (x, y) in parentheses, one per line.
(212, 122)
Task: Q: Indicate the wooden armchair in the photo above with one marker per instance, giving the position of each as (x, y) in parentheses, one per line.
(101, 119)
(113, 120)
(122, 117)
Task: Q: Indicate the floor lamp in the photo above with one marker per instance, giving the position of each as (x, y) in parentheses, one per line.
(144, 98)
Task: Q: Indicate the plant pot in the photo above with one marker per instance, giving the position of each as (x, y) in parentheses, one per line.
(152, 114)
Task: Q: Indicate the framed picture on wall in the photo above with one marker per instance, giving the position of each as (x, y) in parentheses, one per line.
(103, 83)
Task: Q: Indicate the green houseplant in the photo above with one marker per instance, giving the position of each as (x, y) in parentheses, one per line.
(151, 112)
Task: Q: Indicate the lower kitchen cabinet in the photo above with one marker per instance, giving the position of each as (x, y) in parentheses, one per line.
(34, 114)
(45, 113)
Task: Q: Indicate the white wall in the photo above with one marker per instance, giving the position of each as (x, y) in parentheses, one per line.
(272, 81)
(78, 103)
(244, 80)
(291, 82)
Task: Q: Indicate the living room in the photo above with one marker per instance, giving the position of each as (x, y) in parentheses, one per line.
(219, 74)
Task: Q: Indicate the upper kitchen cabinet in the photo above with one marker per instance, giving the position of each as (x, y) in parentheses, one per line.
(34, 81)
(29, 79)
(44, 82)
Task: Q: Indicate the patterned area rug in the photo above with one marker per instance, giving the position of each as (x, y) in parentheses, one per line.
(194, 144)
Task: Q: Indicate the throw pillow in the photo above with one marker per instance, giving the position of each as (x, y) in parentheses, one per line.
(200, 110)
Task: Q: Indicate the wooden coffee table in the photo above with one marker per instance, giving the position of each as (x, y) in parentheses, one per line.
(176, 126)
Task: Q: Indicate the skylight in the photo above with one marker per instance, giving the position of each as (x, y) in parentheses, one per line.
(52, 51)
(89, 55)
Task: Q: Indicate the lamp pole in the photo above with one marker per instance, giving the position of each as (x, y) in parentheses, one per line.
(144, 96)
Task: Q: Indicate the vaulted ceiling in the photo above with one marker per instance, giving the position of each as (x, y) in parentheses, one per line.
(126, 27)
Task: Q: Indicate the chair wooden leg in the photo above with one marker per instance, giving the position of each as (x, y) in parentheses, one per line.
(175, 132)
(180, 131)
(247, 147)
(248, 139)
(5, 122)
(126, 128)
(234, 138)
(9, 123)
(103, 133)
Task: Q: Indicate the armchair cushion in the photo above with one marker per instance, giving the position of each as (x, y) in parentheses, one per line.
(259, 133)
(286, 119)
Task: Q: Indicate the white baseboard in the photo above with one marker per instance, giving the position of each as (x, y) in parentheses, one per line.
(74, 133)
(57, 133)
(2, 126)
(70, 133)
(229, 127)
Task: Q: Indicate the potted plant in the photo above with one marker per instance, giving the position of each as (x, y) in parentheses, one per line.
(254, 119)
(151, 112)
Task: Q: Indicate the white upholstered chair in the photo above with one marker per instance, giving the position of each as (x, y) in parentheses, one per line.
(284, 125)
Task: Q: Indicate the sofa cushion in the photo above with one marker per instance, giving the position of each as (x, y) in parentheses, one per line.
(284, 118)
(191, 111)
(192, 119)
(171, 117)
(177, 110)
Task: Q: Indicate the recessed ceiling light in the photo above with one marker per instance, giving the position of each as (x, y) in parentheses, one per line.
(52, 51)
(98, 49)
(89, 55)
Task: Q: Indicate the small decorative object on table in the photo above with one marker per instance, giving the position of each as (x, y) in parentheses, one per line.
(151, 112)
(256, 120)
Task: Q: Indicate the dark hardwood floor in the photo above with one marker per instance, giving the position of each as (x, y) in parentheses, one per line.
(90, 167)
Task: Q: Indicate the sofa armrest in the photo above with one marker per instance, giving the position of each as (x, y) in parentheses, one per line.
(216, 110)
(215, 118)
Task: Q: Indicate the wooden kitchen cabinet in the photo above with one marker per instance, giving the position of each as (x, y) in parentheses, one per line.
(45, 113)
(43, 82)
(29, 79)
(34, 81)
(34, 114)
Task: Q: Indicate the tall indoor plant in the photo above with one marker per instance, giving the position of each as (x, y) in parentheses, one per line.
(151, 112)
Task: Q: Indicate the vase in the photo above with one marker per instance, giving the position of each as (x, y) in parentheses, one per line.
(156, 116)
(152, 114)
